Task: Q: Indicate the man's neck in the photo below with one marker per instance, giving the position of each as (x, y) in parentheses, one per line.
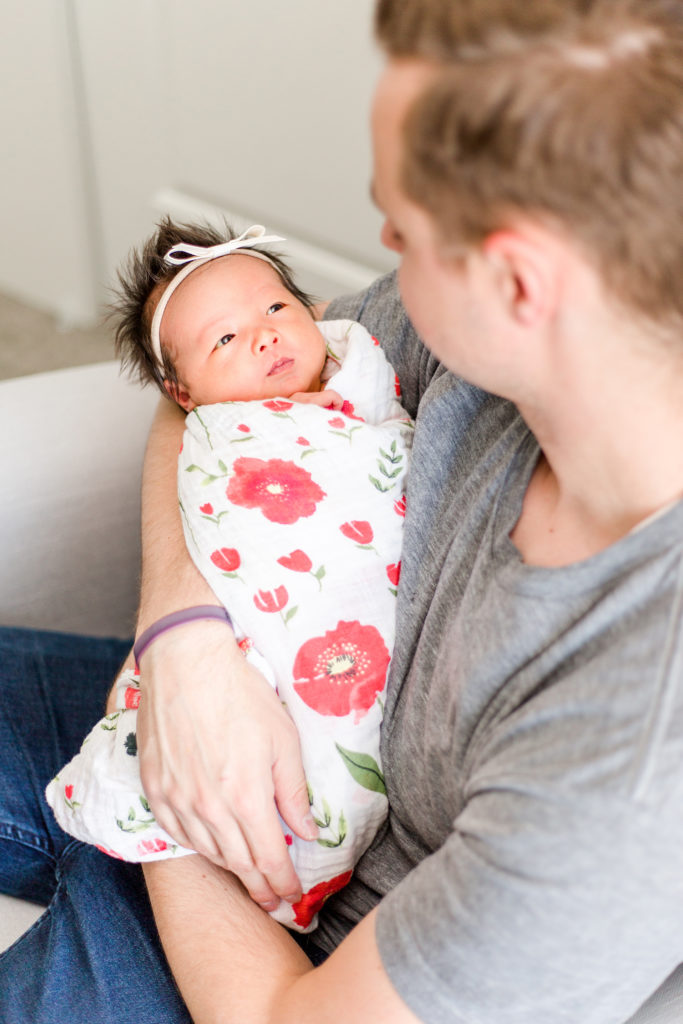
(611, 433)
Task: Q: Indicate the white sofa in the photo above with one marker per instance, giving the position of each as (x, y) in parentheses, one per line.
(71, 447)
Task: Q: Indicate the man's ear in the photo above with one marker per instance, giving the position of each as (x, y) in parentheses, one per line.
(525, 271)
(179, 395)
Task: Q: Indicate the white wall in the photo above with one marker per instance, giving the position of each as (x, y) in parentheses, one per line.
(257, 107)
(46, 253)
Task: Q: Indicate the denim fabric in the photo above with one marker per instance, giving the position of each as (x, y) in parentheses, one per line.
(94, 955)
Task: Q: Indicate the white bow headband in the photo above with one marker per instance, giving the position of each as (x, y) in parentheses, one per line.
(194, 256)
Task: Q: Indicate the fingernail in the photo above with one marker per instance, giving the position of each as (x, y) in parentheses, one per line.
(310, 827)
(293, 898)
(269, 906)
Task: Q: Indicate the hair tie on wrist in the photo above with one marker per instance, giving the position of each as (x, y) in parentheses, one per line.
(200, 611)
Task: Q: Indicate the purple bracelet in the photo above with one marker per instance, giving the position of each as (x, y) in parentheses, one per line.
(200, 611)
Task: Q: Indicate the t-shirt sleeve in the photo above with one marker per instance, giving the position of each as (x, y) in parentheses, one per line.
(558, 895)
(379, 309)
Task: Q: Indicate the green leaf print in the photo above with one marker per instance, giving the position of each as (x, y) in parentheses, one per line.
(364, 769)
(135, 824)
(290, 613)
(376, 484)
(325, 822)
(389, 465)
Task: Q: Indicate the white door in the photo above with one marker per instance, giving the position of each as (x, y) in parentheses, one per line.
(255, 107)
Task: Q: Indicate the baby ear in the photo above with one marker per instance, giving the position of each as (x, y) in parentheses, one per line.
(179, 395)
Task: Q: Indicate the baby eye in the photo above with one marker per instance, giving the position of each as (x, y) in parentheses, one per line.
(276, 307)
(224, 340)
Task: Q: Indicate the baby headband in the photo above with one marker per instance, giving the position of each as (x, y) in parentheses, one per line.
(193, 256)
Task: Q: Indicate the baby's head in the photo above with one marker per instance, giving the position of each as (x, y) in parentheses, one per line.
(227, 327)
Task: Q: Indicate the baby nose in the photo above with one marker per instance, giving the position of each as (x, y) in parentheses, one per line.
(266, 339)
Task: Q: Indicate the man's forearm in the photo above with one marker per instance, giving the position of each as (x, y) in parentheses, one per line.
(169, 578)
(231, 961)
(218, 754)
(235, 965)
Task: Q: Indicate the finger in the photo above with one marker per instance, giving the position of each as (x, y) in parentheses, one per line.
(236, 856)
(217, 834)
(250, 807)
(291, 793)
(266, 841)
(174, 812)
(188, 831)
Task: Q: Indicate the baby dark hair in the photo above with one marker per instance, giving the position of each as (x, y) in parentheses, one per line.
(142, 272)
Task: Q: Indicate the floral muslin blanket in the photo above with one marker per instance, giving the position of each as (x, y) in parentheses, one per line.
(293, 513)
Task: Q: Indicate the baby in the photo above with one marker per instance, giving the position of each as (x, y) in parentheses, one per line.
(291, 489)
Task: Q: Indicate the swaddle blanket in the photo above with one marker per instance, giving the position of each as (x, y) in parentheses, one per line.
(293, 513)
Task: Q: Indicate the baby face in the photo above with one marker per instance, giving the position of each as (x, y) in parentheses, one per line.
(235, 333)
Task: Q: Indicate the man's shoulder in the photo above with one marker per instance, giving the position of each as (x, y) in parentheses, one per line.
(380, 310)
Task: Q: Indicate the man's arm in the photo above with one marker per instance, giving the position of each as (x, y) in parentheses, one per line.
(233, 963)
(217, 750)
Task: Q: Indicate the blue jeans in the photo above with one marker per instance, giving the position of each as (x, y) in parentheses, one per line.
(94, 955)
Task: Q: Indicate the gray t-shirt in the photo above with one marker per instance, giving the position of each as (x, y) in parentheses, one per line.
(531, 869)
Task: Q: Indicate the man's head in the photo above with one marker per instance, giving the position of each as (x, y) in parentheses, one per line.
(564, 112)
(145, 277)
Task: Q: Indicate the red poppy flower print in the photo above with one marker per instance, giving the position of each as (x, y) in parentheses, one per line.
(358, 530)
(69, 792)
(312, 901)
(131, 698)
(226, 559)
(394, 573)
(206, 509)
(304, 442)
(147, 846)
(271, 600)
(342, 671)
(297, 561)
(244, 428)
(277, 405)
(348, 410)
(337, 423)
(282, 491)
(400, 507)
(109, 853)
(246, 644)
(397, 386)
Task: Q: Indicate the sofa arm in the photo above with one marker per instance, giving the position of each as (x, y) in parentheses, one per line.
(71, 449)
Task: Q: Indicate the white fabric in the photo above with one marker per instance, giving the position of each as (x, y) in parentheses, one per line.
(294, 514)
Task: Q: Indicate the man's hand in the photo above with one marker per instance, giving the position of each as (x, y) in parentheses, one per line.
(215, 747)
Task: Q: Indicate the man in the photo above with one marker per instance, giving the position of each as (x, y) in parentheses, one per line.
(517, 901)
(527, 161)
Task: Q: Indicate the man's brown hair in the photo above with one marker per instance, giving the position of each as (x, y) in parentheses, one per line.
(569, 111)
